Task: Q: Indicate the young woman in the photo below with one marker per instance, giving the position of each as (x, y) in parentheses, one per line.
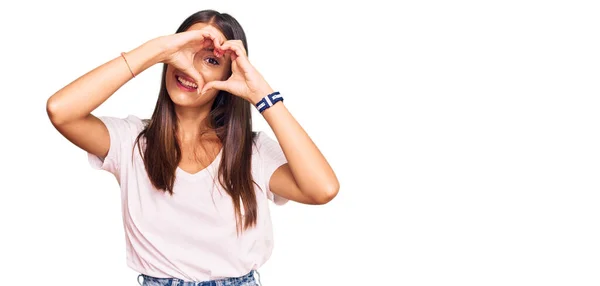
(195, 179)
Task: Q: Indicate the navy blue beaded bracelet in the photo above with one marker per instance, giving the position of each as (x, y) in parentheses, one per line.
(268, 101)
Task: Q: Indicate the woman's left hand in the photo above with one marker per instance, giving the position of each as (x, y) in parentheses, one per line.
(245, 81)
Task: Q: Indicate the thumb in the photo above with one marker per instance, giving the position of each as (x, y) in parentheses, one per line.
(220, 85)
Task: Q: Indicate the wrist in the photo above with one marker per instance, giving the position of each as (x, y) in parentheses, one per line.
(260, 94)
(144, 56)
(268, 101)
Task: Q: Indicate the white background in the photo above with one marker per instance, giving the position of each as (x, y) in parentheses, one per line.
(465, 135)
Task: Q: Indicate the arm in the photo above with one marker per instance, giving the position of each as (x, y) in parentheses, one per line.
(307, 177)
(70, 108)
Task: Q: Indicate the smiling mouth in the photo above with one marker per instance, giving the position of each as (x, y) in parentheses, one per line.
(186, 83)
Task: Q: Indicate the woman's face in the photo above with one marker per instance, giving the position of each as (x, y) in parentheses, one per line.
(208, 66)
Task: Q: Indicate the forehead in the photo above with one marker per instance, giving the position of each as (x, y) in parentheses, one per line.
(199, 26)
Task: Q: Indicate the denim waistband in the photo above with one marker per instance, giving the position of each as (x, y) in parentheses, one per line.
(246, 280)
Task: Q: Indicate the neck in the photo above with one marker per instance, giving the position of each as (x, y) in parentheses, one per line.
(192, 123)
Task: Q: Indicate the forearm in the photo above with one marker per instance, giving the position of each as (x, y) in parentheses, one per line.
(86, 93)
(310, 169)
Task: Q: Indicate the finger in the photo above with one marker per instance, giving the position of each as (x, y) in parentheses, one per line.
(216, 40)
(206, 41)
(197, 37)
(238, 54)
(219, 85)
(232, 47)
(204, 38)
(215, 35)
(228, 53)
(235, 46)
(225, 53)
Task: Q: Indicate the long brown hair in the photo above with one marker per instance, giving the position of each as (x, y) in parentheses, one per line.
(230, 117)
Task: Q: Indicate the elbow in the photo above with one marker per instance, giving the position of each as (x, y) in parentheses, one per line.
(53, 111)
(51, 107)
(327, 194)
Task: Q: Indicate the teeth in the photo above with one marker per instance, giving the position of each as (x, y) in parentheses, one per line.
(187, 83)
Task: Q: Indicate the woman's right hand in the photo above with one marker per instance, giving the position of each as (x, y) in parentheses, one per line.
(179, 49)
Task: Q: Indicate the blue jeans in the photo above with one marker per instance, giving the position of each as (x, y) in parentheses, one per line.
(246, 280)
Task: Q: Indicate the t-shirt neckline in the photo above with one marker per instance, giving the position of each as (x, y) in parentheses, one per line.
(180, 173)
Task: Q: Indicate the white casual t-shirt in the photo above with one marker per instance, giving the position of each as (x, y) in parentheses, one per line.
(192, 234)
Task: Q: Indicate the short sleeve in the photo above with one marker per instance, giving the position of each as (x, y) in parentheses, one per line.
(271, 157)
(123, 133)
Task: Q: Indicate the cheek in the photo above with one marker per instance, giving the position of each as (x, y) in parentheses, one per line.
(169, 76)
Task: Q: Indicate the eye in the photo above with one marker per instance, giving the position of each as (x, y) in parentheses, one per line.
(212, 61)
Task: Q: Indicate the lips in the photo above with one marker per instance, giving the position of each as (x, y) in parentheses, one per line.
(186, 83)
